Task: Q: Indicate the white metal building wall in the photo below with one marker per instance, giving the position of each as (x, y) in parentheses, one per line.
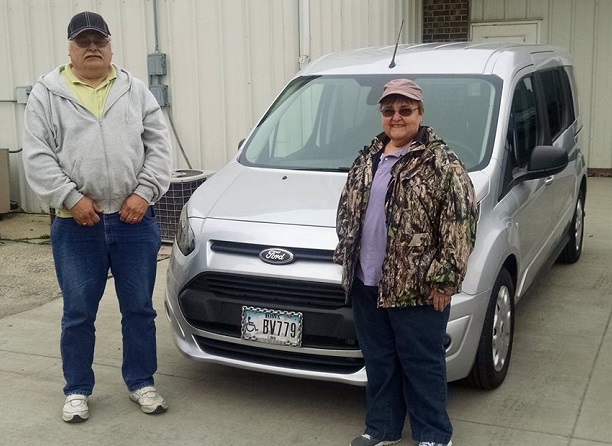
(582, 27)
(226, 59)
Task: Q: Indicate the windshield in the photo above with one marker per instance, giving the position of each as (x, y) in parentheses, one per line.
(321, 122)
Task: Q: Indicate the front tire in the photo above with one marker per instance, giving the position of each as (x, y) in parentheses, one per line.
(495, 345)
(573, 250)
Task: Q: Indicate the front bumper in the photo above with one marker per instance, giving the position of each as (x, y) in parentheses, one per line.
(336, 363)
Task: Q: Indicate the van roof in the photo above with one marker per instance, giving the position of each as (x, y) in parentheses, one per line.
(457, 57)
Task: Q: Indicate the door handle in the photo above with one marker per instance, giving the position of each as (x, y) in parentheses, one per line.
(549, 180)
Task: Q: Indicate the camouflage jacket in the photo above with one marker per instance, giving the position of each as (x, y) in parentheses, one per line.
(431, 215)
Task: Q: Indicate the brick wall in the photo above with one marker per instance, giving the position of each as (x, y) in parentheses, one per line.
(445, 20)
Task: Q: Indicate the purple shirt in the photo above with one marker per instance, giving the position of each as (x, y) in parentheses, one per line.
(374, 232)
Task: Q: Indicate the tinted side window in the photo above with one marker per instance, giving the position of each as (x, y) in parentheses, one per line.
(522, 135)
(559, 107)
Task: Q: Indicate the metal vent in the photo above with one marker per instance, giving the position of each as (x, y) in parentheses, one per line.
(267, 289)
(279, 358)
(168, 209)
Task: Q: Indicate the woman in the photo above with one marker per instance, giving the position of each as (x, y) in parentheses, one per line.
(406, 225)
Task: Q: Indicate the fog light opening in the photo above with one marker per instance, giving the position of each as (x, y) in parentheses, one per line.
(447, 341)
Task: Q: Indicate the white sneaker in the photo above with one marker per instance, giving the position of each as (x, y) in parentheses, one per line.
(431, 443)
(150, 401)
(75, 408)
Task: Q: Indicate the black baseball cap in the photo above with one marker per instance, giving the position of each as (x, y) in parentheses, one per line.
(85, 21)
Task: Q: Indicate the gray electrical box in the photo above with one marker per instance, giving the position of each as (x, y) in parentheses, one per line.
(156, 64)
(160, 92)
(22, 93)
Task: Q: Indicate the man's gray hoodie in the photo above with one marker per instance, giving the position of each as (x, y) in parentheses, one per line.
(69, 153)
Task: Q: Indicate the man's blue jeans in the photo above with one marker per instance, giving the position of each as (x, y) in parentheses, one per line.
(404, 357)
(83, 256)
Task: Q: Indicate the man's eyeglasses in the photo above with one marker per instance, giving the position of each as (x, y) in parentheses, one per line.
(85, 43)
(404, 112)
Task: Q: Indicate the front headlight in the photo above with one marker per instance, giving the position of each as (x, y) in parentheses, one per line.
(185, 239)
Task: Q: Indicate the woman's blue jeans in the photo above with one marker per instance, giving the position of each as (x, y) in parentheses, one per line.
(83, 256)
(404, 357)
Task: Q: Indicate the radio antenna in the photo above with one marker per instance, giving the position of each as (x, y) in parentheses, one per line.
(392, 64)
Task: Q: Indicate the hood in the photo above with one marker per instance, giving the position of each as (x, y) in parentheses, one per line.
(277, 196)
(291, 197)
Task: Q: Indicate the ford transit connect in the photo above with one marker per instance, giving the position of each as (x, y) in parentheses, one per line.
(251, 282)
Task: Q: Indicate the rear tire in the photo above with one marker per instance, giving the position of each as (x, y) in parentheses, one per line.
(495, 346)
(573, 250)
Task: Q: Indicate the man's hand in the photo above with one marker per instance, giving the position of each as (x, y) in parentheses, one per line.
(440, 300)
(133, 209)
(85, 212)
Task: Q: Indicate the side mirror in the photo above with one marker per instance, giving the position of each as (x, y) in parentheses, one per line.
(545, 161)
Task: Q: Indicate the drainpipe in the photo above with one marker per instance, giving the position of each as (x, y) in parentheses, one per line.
(304, 32)
(155, 28)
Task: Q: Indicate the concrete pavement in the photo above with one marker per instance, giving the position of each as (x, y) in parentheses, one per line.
(558, 391)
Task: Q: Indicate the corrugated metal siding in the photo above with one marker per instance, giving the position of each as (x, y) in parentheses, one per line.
(342, 24)
(227, 59)
(583, 27)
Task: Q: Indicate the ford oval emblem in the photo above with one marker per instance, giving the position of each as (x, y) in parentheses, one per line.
(276, 256)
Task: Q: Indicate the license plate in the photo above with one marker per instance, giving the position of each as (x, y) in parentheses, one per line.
(272, 326)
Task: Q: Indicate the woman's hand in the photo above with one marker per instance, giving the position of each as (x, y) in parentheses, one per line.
(440, 300)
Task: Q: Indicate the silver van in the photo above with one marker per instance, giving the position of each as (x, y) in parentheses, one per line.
(251, 282)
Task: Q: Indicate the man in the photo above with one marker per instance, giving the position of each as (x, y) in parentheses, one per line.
(97, 149)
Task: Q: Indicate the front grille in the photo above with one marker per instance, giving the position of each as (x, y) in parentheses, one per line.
(263, 290)
(279, 358)
(213, 302)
